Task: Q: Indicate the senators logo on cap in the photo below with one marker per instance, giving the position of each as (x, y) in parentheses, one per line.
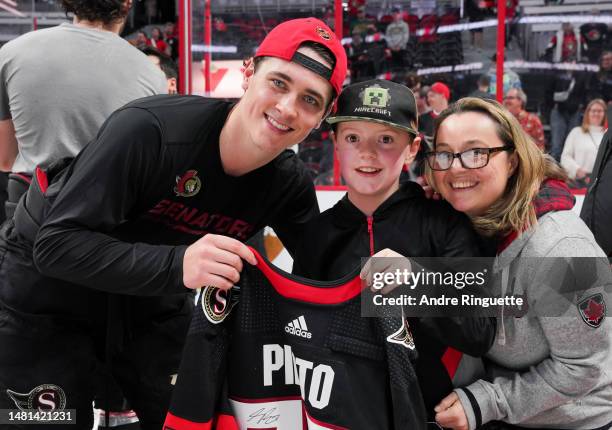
(323, 33)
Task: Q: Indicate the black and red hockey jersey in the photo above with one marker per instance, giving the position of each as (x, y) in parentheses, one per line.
(281, 352)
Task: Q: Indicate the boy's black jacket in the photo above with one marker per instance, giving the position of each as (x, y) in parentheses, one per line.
(412, 225)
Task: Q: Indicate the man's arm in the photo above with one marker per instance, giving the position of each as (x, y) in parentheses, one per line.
(8, 145)
(109, 178)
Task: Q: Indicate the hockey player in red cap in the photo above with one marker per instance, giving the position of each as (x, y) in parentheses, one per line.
(158, 204)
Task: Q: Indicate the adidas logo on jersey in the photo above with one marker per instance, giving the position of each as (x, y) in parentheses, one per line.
(298, 327)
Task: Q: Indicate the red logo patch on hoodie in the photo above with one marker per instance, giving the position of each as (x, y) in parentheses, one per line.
(593, 310)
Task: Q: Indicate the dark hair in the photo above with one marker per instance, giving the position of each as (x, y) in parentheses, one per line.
(107, 11)
(166, 64)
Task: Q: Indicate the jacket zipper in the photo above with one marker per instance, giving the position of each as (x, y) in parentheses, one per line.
(371, 233)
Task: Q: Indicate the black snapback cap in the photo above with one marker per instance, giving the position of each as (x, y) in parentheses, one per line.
(378, 101)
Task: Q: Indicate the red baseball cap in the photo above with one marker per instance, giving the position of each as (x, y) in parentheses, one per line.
(440, 88)
(284, 40)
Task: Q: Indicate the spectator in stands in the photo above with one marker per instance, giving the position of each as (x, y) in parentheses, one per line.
(476, 11)
(515, 101)
(482, 92)
(355, 8)
(512, 21)
(422, 105)
(437, 98)
(219, 25)
(396, 36)
(568, 97)
(361, 62)
(166, 65)
(413, 81)
(171, 38)
(142, 40)
(511, 78)
(157, 41)
(363, 24)
(582, 143)
(567, 45)
(600, 85)
(596, 35)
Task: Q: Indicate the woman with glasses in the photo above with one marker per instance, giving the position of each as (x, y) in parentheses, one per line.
(582, 143)
(542, 372)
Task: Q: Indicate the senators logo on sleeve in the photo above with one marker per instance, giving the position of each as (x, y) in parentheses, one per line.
(217, 303)
(593, 310)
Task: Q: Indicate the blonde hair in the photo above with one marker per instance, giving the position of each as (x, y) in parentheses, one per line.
(514, 211)
(585, 120)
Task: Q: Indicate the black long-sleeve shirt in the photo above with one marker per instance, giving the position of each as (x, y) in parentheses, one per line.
(149, 185)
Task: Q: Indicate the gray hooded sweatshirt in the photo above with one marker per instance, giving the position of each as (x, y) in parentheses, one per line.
(546, 372)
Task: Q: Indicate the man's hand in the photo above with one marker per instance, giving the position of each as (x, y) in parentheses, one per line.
(216, 261)
(390, 262)
(450, 413)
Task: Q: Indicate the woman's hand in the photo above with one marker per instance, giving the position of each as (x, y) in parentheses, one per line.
(450, 413)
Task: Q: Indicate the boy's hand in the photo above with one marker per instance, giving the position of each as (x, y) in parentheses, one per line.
(450, 413)
(216, 261)
(386, 260)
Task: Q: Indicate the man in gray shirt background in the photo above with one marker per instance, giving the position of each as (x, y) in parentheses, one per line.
(58, 85)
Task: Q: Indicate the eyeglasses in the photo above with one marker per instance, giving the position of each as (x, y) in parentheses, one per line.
(475, 158)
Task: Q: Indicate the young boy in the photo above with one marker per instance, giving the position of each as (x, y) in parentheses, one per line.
(375, 134)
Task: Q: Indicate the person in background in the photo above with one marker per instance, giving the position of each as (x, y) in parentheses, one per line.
(515, 101)
(582, 143)
(157, 41)
(567, 45)
(483, 83)
(599, 85)
(166, 65)
(171, 38)
(396, 36)
(360, 58)
(542, 371)
(438, 97)
(142, 40)
(511, 79)
(568, 97)
(596, 36)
